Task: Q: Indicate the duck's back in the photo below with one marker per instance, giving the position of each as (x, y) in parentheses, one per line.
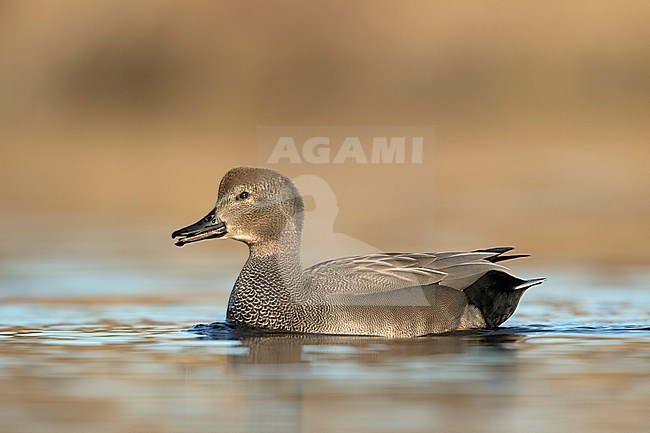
(411, 294)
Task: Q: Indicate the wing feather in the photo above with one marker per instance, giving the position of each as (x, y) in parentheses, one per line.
(463, 275)
(386, 272)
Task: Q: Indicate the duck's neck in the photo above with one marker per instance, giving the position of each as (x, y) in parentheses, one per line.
(270, 289)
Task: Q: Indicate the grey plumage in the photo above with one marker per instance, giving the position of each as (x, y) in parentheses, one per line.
(385, 294)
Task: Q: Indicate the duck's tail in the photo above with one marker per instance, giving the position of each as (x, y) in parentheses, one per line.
(496, 294)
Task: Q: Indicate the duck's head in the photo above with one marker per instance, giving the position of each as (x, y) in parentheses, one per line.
(254, 205)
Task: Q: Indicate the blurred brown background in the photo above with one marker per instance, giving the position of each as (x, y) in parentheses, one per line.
(134, 110)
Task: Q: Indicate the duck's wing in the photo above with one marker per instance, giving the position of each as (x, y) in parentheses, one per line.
(373, 273)
(388, 272)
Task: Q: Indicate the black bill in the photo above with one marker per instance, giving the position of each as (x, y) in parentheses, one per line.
(208, 227)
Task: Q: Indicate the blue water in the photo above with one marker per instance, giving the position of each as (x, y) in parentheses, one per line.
(109, 343)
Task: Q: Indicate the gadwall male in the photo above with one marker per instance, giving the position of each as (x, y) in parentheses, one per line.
(385, 294)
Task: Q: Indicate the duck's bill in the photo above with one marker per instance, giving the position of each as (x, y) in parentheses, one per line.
(208, 227)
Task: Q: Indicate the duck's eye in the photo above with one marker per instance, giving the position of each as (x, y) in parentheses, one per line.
(243, 195)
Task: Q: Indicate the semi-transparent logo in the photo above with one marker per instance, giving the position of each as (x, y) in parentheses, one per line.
(339, 145)
(313, 157)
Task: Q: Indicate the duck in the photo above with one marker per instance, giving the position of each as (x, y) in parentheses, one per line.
(391, 294)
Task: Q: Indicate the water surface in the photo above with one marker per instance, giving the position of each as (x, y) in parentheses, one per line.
(100, 344)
